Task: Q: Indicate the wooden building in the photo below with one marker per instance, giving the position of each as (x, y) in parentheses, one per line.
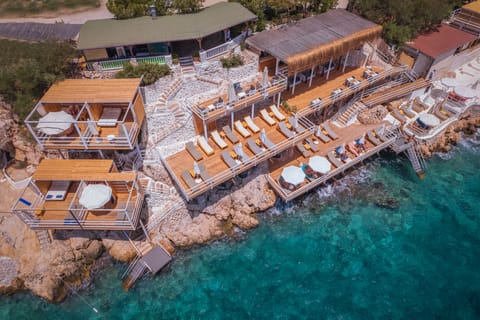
(81, 195)
(87, 114)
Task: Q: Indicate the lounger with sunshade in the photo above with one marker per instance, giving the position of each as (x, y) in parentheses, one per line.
(312, 145)
(187, 178)
(203, 172)
(319, 134)
(203, 144)
(230, 135)
(305, 153)
(267, 118)
(397, 115)
(334, 160)
(329, 131)
(194, 152)
(253, 146)
(227, 158)
(298, 128)
(241, 129)
(408, 112)
(277, 113)
(218, 140)
(372, 138)
(285, 131)
(251, 124)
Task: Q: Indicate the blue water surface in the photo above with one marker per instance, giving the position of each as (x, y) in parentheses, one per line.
(334, 254)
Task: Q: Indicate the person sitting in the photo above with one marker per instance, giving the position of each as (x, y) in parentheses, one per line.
(360, 143)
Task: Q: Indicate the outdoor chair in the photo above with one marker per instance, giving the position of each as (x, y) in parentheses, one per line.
(230, 135)
(194, 152)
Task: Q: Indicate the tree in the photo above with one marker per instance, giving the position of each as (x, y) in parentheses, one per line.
(150, 72)
(187, 6)
(125, 9)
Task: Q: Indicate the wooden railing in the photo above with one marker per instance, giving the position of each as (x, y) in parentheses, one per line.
(365, 83)
(279, 84)
(228, 174)
(288, 196)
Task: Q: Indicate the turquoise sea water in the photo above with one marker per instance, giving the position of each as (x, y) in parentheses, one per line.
(335, 254)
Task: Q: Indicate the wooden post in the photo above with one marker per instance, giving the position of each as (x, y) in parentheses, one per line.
(311, 77)
(294, 81)
(345, 63)
(329, 67)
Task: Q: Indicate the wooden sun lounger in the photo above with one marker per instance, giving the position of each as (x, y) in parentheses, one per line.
(109, 117)
(418, 107)
(251, 124)
(266, 117)
(241, 129)
(194, 152)
(268, 144)
(441, 115)
(372, 138)
(305, 153)
(203, 144)
(299, 128)
(253, 146)
(277, 113)
(333, 160)
(379, 135)
(312, 145)
(227, 158)
(397, 115)
(330, 132)
(218, 140)
(230, 135)
(319, 134)
(187, 177)
(203, 172)
(285, 131)
(408, 113)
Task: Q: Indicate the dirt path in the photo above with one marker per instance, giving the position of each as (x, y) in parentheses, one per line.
(78, 17)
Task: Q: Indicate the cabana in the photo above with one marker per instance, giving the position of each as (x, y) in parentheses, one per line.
(315, 41)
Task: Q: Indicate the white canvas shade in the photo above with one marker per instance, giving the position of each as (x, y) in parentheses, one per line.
(95, 196)
(55, 122)
(319, 164)
(465, 92)
(429, 120)
(293, 175)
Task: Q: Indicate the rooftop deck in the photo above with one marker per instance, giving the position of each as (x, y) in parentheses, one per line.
(216, 167)
(295, 158)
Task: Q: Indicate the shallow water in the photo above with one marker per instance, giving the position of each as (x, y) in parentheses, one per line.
(333, 254)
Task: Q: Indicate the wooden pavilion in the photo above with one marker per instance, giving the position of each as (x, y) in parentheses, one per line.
(89, 114)
(52, 199)
(324, 41)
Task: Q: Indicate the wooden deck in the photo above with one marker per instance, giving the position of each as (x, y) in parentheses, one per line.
(294, 158)
(219, 171)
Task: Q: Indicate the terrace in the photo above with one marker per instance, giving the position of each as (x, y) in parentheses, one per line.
(55, 197)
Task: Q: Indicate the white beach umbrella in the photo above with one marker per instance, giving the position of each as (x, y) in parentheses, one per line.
(265, 77)
(55, 122)
(293, 175)
(95, 196)
(465, 92)
(196, 168)
(232, 95)
(319, 164)
(429, 119)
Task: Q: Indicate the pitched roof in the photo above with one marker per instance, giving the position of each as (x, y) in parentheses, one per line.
(441, 40)
(473, 6)
(111, 33)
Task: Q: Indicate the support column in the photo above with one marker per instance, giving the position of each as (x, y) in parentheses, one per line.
(294, 81)
(277, 63)
(232, 116)
(345, 63)
(329, 67)
(253, 110)
(199, 40)
(311, 77)
(205, 130)
(278, 100)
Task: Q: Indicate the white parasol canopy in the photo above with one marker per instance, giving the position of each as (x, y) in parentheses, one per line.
(319, 164)
(293, 175)
(232, 95)
(429, 119)
(265, 77)
(465, 92)
(449, 82)
(55, 122)
(95, 196)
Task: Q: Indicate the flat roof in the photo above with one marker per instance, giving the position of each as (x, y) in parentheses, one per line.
(156, 259)
(49, 169)
(335, 29)
(441, 40)
(111, 33)
(473, 6)
(92, 91)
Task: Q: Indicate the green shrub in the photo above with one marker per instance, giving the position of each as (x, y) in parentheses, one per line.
(150, 72)
(234, 61)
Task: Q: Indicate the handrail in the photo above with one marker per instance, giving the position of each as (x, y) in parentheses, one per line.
(115, 64)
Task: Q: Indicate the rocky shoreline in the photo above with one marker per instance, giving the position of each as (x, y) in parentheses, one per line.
(217, 214)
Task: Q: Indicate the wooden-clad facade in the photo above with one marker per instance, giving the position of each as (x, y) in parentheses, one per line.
(99, 114)
(51, 199)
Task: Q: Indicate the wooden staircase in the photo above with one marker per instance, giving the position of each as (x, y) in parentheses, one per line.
(43, 238)
(395, 92)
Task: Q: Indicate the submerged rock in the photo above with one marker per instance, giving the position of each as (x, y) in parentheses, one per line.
(389, 203)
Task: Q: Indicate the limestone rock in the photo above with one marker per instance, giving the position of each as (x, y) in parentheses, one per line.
(120, 250)
(9, 281)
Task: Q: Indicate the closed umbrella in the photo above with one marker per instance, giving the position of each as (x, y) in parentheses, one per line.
(293, 175)
(95, 196)
(265, 77)
(232, 95)
(55, 122)
(196, 169)
(239, 150)
(263, 136)
(319, 164)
